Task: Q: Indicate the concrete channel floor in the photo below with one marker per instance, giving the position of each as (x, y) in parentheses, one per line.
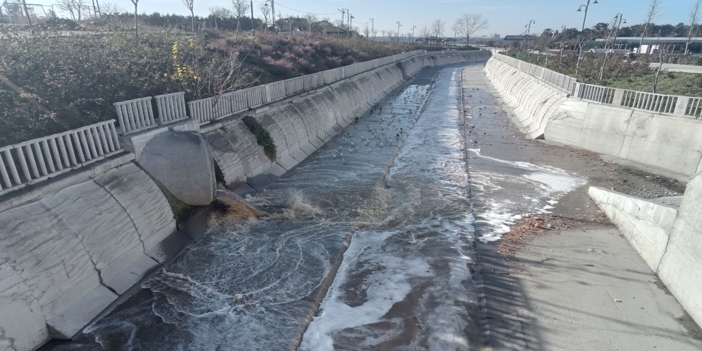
(582, 288)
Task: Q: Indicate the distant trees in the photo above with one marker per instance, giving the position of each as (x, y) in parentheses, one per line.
(653, 9)
(438, 28)
(190, 4)
(73, 7)
(425, 32)
(311, 19)
(266, 13)
(219, 12)
(325, 25)
(468, 24)
(240, 8)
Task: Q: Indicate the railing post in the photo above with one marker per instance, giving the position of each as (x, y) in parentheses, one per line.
(681, 105)
(576, 90)
(618, 97)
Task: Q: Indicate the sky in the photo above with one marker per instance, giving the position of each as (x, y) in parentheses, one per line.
(505, 16)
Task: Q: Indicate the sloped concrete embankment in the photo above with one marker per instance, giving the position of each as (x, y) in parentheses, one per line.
(71, 246)
(667, 234)
(664, 143)
(302, 124)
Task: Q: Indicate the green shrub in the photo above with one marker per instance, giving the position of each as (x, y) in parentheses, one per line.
(263, 138)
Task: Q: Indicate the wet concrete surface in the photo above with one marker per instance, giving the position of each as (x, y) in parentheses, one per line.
(561, 290)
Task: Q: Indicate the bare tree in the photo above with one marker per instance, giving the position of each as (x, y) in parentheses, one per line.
(366, 31)
(266, 13)
(26, 13)
(325, 25)
(73, 7)
(190, 4)
(468, 24)
(240, 8)
(382, 33)
(109, 10)
(438, 28)
(425, 32)
(694, 18)
(217, 12)
(653, 9)
(136, 19)
(663, 51)
(311, 19)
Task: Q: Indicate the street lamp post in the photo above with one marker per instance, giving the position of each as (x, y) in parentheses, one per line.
(343, 12)
(616, 32)
(528, 27)
(398, 30)
(580, 51)
(412, 38)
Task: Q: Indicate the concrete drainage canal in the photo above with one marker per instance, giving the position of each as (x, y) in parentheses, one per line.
(367, 244)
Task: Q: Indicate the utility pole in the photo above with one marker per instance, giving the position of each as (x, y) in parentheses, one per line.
(350, 16)
(398, 30)
(252, 19)
(273, 16)
(373, 27)
(412, 38)
(580, 51)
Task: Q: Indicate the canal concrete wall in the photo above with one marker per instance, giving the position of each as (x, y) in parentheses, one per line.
(667, 234)
(302, 124)
(71, 246)
(70, 251)
(663, 143)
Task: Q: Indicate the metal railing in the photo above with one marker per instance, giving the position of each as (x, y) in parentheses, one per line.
(35, 160)
(594, 93)
(562, 81)
(135, 115)
(650, 102)
(171, 108)
(694, 107)
(639, 100)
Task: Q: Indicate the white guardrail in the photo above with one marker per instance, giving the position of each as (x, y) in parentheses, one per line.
(659, 103)
(35, 160)
(138, 115)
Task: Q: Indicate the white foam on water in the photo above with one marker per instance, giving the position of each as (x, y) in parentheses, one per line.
(388, 284)
(542, 187)
(382, 267)
(556, 182)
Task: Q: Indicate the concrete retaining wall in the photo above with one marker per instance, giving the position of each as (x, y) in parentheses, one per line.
(667, 234)
(681, 266)
(667, 143)
(70, 253)
(304, 123)
(645, 223)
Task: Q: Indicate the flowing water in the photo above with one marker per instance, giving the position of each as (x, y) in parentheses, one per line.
(396, 185)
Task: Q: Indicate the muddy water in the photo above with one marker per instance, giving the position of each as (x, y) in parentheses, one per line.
(394, 188)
